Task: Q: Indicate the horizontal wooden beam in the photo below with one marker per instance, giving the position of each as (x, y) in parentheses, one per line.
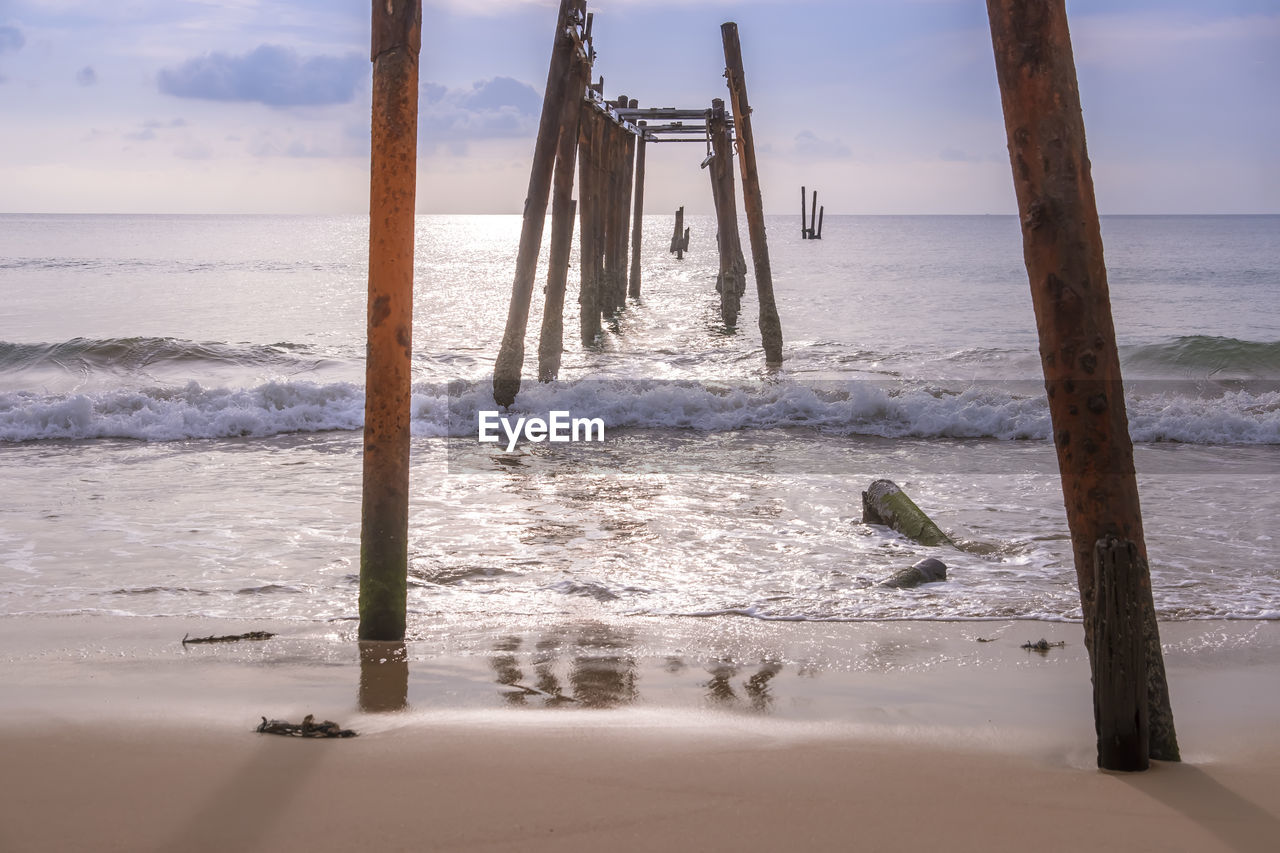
(670, 113)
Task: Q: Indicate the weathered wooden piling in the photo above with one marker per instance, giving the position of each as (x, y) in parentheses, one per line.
(551, 341)
(678, 241)
(510, 361)
(885, 503)
(626, 175)
(563, 208)
(1062, 245)
(1120, 674)
(615, 245)
(770, 324)
(813, 217)
(804, 200)
(637, 218)
(591, 221)
(731, 283)
(818, 234)
(384, 511)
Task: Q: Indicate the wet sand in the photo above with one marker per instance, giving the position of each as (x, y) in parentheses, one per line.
(682, 735)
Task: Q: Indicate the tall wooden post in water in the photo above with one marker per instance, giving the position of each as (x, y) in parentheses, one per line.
(731, 282)
(384, 512)
(770, 324)
(590, 222)
(510, 361)
(1062, 245)
(637, 219)
(563, 207)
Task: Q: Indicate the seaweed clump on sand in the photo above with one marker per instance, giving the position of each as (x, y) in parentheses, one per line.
(1042, 646)
(307, 728)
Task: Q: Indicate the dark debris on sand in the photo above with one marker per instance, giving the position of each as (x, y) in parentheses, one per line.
(307, 728)
(227, 638)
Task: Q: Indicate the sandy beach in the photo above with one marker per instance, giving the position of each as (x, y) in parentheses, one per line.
(695, 735)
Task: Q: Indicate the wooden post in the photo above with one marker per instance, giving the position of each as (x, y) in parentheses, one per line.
(1120, 674)
(813, 217)
(677, 240)
(384, 509)
(818, 235)
(612, 198)
(770, 324)
(1062, 246)
(551, 342)
(804, 201)
(626, 176)
(590, 236)
(637, 219)
(510, 361)
(563, 207)
(731, 283)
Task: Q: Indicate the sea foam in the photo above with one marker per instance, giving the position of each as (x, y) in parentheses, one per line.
(905, 410)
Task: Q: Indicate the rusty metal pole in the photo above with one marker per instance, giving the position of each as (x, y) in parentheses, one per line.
(770, 324)
(551, 341)
(633, 289)
(384, 509)
(1062, 246)
(510, 361)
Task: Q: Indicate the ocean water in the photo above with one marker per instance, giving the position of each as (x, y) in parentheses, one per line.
(181, 400)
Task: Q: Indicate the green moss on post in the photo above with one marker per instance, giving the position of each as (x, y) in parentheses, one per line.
(384, 573)
(884, 503)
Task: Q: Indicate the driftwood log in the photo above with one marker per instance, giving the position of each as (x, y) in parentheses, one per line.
(927, 570)
(884, 503)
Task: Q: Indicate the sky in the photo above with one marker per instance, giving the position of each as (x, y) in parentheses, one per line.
(884, 106)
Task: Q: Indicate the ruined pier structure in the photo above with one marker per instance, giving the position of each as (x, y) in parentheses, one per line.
(605, 140)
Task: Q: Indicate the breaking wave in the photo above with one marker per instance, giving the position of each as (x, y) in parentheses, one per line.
(1005, 411)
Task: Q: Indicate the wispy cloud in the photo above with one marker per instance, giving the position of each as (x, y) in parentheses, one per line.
(269, 74)
(500, 107)
(1124, 41)
(811, 146)
(11, 40)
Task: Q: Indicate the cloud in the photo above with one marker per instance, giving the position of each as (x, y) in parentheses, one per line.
(500, 107)
(87, 76)
(955, 155)
(1136, 41)
(269, 74)
(810, 145)
(147, 130)
(11, 40)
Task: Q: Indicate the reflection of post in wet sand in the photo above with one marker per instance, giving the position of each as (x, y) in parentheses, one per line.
(602, 677)
(759, 696)
(719, 688)
(544, 663)
(757, 686)
(601, 674)
(384, 676)
(506, 669)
